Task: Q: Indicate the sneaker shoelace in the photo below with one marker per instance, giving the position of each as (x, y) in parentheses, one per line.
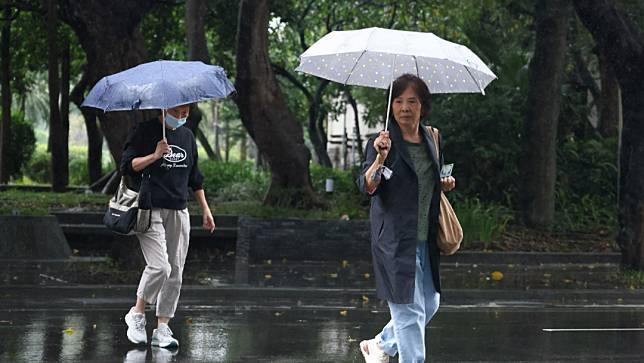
(165, 330)
(139, 323)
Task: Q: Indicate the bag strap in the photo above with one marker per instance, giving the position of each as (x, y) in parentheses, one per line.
(435, 135)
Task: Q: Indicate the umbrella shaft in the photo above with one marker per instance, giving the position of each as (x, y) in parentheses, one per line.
(391, 86)
(163, 119)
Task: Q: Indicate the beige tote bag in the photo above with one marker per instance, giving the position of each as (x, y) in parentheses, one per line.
(450, 233)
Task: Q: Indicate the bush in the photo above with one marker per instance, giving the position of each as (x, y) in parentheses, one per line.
(345, 199)
(482, 137)
(38, 169)
(233, 181)
(78, 172)
(586, 192)
(480, 222)
(343, 180)
(39, 166)
(21, 145)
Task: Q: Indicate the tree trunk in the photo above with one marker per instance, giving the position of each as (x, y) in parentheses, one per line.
(195, 34)
(5, 84)
(265, 115)
(94, 147)
(539, 158)
(197, 50)
(206, 145)
(315, 135)
(108, 33)
(94, 135)
(620, 40)
(65, 60)
(59, 165)
(354, 106)
(609, 99)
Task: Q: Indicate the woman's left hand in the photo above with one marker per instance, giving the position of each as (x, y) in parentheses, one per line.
(448, 183)
(208, 221)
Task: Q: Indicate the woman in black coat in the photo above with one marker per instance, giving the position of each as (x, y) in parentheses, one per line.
(404, 222)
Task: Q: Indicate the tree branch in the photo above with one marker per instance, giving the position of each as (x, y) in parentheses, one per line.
(291, 78)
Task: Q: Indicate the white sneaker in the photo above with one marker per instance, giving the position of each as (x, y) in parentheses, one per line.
(372, 353)
(162, 337)
(136, 327)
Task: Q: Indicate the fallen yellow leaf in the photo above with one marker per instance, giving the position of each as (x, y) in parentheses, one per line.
(345, 263)
(343, 312)
(497, 275)
(69, 331)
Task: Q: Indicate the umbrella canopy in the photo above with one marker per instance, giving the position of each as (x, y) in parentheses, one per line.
(159, 85)
(374, 57)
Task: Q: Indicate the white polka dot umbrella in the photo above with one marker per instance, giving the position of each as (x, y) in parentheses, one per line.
(374, 57)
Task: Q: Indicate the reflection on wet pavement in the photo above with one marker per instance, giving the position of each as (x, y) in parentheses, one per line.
(305, 335)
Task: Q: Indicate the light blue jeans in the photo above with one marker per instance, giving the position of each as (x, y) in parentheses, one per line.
(405, 332)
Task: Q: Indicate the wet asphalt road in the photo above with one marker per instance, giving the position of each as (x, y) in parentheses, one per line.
(257, 333)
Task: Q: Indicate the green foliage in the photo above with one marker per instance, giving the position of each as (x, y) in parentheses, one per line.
(38, 169)
(39, 166)
(584, 213)
(345, 198)
(21, 145)
(232, 181)
(481, 136)
(632, 279)
(585, 197)
(482, 222)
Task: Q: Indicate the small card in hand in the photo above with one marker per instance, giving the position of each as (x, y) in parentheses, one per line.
(446, 170)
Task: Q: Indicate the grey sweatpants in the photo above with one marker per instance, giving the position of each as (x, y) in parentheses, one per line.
(165, 247)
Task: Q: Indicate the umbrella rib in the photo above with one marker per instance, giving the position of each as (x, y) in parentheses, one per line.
(416, 64)
(355, 64)
(475, 81)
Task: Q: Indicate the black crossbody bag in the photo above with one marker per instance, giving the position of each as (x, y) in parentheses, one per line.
(129, 211)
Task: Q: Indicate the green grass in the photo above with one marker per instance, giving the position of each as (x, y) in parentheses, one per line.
(40, 203)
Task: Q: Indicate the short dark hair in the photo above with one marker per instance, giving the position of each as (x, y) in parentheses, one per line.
(419, 86)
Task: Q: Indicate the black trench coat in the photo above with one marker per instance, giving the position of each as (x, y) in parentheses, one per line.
(394, 219)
